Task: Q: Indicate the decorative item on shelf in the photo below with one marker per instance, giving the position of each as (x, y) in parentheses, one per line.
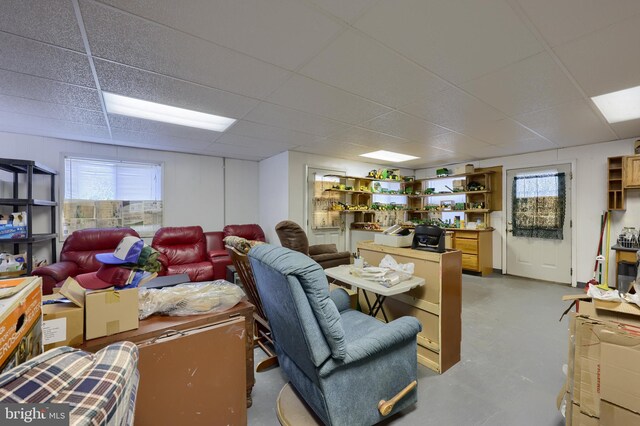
(429, 191)
(443, 172)
(447, 205)
(466, 169)
(408, 178)
(343, 186)
(384, 190)
(458, 185)
(348, 188)
(377, 187)
(459, 206)
(432, 207)
(475, 186)
(364, 188)
(372, 173)
(476, 205)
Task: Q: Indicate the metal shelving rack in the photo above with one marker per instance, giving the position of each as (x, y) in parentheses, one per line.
(29, 169)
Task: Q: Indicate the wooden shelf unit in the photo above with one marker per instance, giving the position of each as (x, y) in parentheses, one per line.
(615, 187)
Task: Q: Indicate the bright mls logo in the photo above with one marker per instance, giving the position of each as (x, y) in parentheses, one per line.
(34, 414)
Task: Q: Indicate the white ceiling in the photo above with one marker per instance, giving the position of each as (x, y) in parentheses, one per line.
(445, 80)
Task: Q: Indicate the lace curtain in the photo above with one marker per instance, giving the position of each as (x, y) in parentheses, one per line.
(538, 206)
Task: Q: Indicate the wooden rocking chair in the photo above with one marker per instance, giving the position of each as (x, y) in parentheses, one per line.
(262, 335)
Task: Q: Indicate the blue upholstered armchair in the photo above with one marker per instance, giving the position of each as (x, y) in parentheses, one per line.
(342, 362)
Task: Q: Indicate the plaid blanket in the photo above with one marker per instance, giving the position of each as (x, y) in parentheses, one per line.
(99, 388)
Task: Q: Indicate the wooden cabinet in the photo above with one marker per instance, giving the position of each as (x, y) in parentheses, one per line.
(477, 249)
(631, 171)
(437, 304)
(615, 188)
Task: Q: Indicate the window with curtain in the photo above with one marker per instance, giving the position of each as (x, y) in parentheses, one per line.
(538, 206)
(108, 193)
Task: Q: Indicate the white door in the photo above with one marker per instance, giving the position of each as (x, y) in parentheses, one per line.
(323, 225)
(534, 256)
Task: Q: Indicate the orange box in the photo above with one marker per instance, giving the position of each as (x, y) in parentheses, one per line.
(21, 325)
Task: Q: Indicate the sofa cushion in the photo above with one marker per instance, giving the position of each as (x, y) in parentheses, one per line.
(181, 245)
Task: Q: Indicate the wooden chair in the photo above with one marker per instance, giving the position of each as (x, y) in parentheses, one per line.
(262, 336)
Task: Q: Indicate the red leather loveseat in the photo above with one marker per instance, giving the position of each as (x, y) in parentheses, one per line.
(78, 254)
(218, 253)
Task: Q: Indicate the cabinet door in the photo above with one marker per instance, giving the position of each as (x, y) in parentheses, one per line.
(632, 171)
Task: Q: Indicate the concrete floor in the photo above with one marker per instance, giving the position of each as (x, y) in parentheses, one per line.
(513, 350)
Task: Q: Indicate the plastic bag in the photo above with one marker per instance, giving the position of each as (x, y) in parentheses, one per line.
(404, 270)
(189, 299)
(600, 294)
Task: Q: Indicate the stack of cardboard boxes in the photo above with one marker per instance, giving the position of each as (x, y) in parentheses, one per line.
(603, 383)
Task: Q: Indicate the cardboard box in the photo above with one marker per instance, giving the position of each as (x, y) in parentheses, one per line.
(21, 325)
(620, 367)
(393, 240)
(10, 231)
(579, 418)
(63, 323)
(612, 415)
(110, 311)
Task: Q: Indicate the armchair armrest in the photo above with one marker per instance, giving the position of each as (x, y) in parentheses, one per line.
(58, 271)
(322, 249)
(380, 340)
(217, 253)
(341, 298)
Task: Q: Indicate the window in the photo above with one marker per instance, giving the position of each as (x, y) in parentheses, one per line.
(108, 193)
(538, 205)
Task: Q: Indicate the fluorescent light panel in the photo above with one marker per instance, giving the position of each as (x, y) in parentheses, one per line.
(124, 105)
(389, 156)
(623, 105)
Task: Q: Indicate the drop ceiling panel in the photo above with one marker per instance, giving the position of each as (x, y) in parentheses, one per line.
(360, 65)
(288, 118)
(156, 48)
(235, 150)
(405, 126)
(505, 132)
(370, 139)
(51, 110)
(152, 140)
(139, 84)
(345, 10)
(158, 128)
(454, 109)
(259, 144)
(627, 129)
(573, 123)
(566, 20)
(607, 60)
(532, 84)
(42, 89)
(310, 96)
(42, 60)
(50, 21)
(32, 125)
(271, 133)
(281, 32)
(459, 144)
(459, 41)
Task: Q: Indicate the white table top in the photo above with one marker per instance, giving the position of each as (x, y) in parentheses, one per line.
(341, 273)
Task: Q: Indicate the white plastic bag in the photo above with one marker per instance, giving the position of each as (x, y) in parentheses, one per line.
(600, 294)
(404, 270)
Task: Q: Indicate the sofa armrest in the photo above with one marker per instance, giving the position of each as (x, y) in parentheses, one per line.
(58, 271)
(379, 341)
(341, 298)
(217, 253)
(322, 249)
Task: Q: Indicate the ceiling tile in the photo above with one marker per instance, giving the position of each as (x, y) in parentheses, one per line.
(367, 138)
(627, 129)
(158, 128)
(604, 61)
(457, 40)
(42, 89)
(34, 58)
(310, 96)
(360, 65)
(532, 84)
(504, 132)
(505, 151)
(271, 133)
(51, 110)
(32, 125)
(454, 110)
(563, 21)
(460, 145)
(258, 143)
(573, 123)
(266, 28)
(235, 150)
(51, 21)
(150, 140)
(156, 48)
(275, 115)
(345, 10)
(139, 84)
(404, 126)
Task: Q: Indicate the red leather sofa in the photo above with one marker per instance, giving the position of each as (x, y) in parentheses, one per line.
(183, 250)
(78, 254)
(217, 252)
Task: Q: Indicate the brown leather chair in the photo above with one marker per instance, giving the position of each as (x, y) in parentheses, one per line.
(293, 237)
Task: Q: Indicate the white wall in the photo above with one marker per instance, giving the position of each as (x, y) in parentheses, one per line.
(193, 184)
(273, 198)
(590, 177)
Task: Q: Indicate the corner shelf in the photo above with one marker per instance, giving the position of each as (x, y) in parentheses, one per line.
(29, 169)
(615, 188)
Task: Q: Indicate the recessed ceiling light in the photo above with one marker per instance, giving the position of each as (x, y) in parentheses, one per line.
(389, 156)
(622, 105)
(124, 105)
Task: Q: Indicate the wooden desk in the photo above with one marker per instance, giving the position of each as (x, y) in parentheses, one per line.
(437, 304)
(156, 325)
(623, 254)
